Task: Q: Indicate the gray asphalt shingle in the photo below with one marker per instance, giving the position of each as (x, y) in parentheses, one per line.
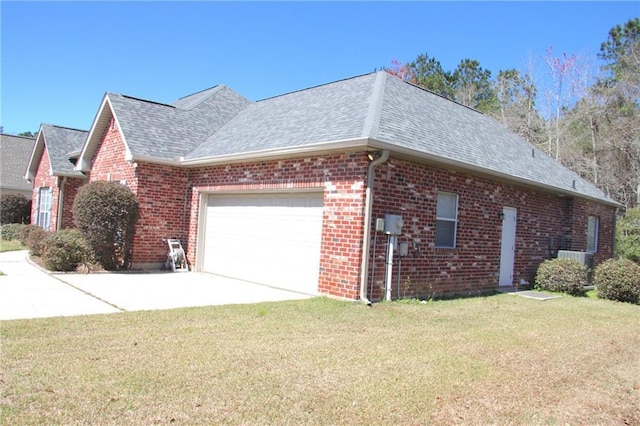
(327, 113)
(167, 132)
(15, 152)
(218, 122)
(421, 121)
(61, 142)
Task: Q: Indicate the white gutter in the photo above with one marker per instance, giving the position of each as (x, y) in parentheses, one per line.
(368, 207)
(130, 158)
(443, 161)
(277, 152)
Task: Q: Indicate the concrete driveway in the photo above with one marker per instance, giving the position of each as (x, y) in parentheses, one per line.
(26, 291)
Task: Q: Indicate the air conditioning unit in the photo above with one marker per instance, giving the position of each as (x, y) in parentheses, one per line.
(585, 258)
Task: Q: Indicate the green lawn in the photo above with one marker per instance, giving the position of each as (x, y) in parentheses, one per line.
(487, 360)
(10, 246)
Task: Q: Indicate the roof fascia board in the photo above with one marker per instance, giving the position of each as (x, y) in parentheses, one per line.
(71, 175)
(437, 160)
(130, 158)
(317, 148)
(83, 165)
(96, 133)
(36, 153)
(14, 188)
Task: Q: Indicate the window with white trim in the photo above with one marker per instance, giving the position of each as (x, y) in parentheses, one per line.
(44, 207)
(592, 234)
(446, 219)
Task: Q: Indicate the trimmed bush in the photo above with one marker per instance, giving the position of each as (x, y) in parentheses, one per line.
(11, 231)
(618, 279)
(14, 208)
(37, 240)
(25, 231)
(628, 236)
(562, 275)
(106, 214)
(65, 250)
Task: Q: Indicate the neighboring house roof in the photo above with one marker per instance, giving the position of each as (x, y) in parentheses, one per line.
(14, 157)
(60, 144)
(372, 111)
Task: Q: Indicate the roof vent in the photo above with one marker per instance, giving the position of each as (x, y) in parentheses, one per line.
(573, 185)
(533, 152)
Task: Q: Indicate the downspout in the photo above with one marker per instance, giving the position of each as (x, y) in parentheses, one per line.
(368, 207)
(613, 237)
(61, 184)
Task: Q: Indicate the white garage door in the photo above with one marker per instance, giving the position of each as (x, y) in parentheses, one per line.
(271, 239)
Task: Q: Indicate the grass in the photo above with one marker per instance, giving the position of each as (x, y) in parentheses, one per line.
(10, 245)
(491, 360)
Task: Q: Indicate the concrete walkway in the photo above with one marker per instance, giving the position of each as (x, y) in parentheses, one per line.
(27, 291)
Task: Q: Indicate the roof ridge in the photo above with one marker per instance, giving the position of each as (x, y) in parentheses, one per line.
(65, 127)
(316, 86)
(438, 95)
(372, 120)
(17, 136)
(145, 100)
(195, 100)
(218, 86)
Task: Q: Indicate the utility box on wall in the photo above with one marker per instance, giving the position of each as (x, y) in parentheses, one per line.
(393, 224)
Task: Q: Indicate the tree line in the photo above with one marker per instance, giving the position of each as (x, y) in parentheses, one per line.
(585, 117)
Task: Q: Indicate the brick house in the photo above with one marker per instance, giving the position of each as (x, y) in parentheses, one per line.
(288, 191)
(55, 181)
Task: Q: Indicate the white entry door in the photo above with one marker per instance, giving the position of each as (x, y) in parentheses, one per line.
(508, 246)
(271, 239)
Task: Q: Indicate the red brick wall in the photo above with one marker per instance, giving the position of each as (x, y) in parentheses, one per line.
(109, 160)
(169, 200)
(580, 211)
(69, 191)
(42, 179)
(410, 190)
(109, 164)
(164, 208)
(71, 187)
(342, 177)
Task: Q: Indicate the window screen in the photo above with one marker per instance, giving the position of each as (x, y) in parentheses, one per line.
(592, 234)
(446, 219)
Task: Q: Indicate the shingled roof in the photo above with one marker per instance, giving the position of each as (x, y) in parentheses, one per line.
(380, 111)
(160, 132)
(60, 144)
(373, 111)
(14, 157)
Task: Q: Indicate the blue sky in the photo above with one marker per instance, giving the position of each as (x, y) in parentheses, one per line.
(59, 58)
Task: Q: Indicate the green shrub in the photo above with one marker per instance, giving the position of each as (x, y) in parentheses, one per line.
(628, 235)
(25, 231)
(106, 214)
(11, 231)
(65, 250)
(618, 279)
(14, 208)
(562, 275)
(37, 240)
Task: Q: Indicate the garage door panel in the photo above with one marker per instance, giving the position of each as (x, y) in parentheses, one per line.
(271, 239)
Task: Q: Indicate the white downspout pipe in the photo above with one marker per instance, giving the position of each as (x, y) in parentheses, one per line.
(368, 207)
(61, 185)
